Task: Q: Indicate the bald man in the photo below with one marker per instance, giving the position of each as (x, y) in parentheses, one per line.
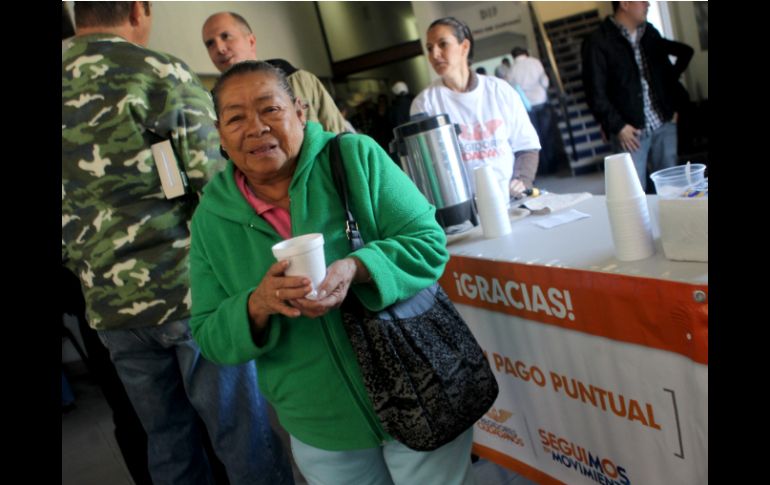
(229, 40)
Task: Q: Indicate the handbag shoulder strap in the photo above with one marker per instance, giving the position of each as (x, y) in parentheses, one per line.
(341, 183)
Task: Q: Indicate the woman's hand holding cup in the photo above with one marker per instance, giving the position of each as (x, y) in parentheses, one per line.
(333, 289)
(274, 292)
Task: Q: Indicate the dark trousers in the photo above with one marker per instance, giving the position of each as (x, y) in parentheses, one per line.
(129, 432)
(552, 154)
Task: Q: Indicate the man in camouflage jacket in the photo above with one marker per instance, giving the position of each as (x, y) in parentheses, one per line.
(129, 245)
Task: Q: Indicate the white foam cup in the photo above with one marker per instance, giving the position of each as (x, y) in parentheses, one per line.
(492, 207)
(631, 229)
(306, 258)
(620, 178)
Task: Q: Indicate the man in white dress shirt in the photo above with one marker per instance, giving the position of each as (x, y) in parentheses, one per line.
(528, 73)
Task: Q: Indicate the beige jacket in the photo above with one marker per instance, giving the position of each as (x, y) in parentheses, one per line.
(320, 105)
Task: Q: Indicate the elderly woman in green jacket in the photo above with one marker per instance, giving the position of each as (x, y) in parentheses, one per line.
(278, 184)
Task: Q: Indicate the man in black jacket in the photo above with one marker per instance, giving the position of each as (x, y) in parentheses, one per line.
(632, 88)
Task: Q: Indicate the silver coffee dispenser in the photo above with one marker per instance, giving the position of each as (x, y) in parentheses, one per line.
(430, 154)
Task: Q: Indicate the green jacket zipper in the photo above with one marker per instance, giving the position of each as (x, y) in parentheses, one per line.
(360, 402)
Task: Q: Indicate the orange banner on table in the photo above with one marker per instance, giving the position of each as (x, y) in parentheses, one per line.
(661, 314)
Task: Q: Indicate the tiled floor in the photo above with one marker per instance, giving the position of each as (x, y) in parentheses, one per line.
(89, 452)
(90, 455)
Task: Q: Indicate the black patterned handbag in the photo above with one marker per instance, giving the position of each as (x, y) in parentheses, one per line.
(425, 373)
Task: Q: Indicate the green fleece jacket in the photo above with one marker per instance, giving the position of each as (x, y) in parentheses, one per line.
(307, 368)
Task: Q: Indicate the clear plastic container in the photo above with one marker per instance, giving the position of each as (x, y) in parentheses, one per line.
(683, 212)
(674, 182)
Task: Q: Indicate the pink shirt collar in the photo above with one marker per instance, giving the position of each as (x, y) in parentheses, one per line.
(278, 217)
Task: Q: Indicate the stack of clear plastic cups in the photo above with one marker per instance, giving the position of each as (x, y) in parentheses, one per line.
(627, 209)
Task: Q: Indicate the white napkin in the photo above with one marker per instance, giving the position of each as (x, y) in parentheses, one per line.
(548, 202)
(559, 219)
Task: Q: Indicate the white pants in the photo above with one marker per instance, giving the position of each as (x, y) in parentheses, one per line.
(390, 464)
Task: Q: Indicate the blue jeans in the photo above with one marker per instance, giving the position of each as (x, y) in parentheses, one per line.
(658, 147)
(168, 382)
(389, 464)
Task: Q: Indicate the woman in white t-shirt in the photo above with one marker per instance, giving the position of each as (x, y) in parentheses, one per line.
(495, 126)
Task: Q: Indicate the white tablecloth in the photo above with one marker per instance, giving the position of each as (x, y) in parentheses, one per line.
(602, 364)
(584, 244)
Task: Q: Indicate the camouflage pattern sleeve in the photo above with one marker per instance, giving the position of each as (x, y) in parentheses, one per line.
(185, 116)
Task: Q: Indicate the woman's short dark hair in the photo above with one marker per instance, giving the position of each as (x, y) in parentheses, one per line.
(247, 67)
(459, 29)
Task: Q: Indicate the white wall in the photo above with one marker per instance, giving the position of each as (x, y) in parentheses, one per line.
(483, 18)
(491, 64)
(489, 18)
(287, 30)
(686, 30)
(425, 13)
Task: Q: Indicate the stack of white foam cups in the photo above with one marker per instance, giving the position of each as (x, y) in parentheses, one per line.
(627, 209)
(490, 202)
